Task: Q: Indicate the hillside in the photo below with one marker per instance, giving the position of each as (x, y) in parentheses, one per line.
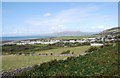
(103, 61)
(115, 30)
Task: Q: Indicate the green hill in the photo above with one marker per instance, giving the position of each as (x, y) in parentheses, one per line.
(113, 31)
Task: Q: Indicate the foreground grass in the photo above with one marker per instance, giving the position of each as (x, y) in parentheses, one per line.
(10, 62)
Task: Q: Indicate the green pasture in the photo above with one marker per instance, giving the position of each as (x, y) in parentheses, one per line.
(77, 50)
(11, 62)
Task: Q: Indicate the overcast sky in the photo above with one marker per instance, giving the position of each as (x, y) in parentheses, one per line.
(33, 18)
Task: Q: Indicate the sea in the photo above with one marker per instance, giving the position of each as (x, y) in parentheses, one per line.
(23, 38)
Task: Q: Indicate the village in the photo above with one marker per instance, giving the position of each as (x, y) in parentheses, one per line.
(94, 41)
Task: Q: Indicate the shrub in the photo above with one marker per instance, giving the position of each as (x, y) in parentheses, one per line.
(92, 49)
(101, 46)
(66, 52)
(72, 52)
(20, 53)
(51, 53)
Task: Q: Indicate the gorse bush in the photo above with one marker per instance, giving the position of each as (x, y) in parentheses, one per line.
(92, 49)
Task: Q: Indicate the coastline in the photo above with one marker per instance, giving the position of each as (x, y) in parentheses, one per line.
(8, 39)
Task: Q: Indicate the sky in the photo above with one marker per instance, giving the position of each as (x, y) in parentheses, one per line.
(34, 18)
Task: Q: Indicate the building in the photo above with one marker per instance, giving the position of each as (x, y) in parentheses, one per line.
(96, 44)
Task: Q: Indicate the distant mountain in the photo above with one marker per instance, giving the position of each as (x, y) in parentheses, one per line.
(70, 33)
(112, 31)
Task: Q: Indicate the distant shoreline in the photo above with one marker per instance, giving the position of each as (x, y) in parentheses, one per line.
(3, 39)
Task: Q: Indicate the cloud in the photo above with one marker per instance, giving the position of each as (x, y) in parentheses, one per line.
(73, 18)
(64, 16)
(47, 14)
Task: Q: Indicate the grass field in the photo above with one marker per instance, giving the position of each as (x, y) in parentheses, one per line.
(11, 62)
(77, 50)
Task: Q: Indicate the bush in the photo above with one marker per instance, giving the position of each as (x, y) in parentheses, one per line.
(20, 53)
(51, 53)
(72, 52)
(92, 49)
(86, 43)
(66, 52)
(101, 46)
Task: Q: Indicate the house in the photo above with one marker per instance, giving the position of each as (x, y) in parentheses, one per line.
(73, 41)
(81, 41)
(96, 44)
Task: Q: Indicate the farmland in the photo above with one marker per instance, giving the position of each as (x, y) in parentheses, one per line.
(77, 50)
(11, 62)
